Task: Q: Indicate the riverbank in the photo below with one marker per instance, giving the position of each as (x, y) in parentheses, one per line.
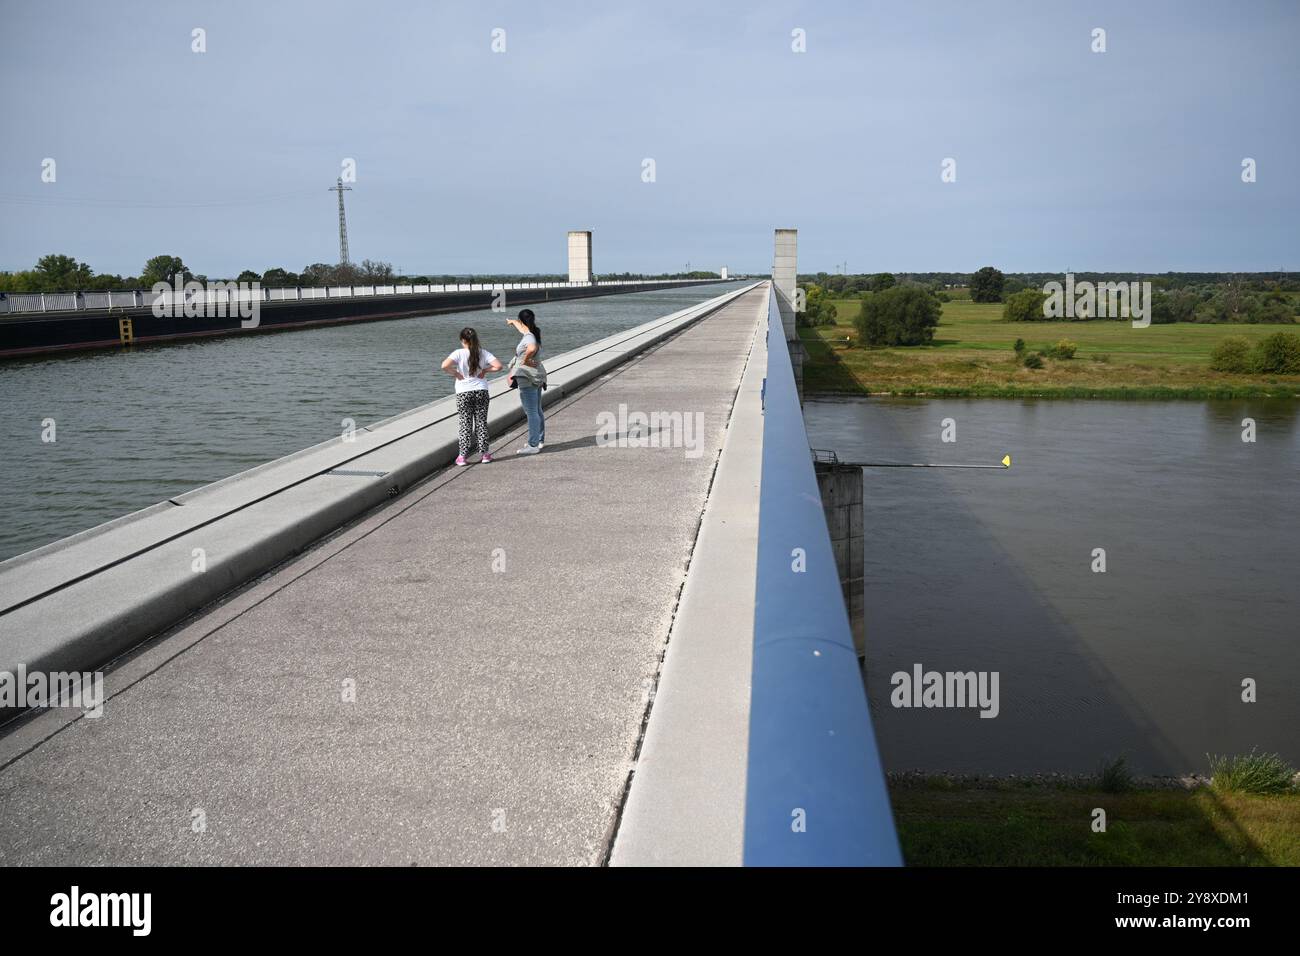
(972, 357)
(956, 821)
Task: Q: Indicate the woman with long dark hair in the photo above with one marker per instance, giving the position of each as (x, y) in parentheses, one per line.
(467, 366)
(529, 374)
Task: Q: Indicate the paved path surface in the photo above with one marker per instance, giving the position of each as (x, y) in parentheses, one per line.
(496, 713)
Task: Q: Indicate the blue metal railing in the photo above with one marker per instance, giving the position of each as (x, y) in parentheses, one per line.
(815, 789)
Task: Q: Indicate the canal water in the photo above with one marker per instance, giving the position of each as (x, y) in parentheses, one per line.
(994, 571)
(136, 427)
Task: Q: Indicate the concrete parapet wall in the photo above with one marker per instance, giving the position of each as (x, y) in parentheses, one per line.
(686, 804)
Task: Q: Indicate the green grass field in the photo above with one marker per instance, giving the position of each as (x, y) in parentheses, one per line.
(972, 355)
(945, 824)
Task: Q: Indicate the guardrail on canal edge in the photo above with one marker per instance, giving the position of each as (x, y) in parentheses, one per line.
(815, 787)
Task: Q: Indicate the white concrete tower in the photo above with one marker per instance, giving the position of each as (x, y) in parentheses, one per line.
(785, 273)
(580, 256)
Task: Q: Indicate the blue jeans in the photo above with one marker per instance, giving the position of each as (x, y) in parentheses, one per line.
(531, 399)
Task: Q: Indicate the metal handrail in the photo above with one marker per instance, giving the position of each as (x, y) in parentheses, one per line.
(815, 788)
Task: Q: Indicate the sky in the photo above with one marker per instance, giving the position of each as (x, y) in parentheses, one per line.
(474, 161)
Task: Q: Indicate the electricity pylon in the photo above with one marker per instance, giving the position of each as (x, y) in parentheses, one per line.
(343, 221)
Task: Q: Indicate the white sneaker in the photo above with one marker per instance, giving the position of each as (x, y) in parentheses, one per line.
(529, 450)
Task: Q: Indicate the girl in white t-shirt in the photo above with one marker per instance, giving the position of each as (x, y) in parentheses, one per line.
(467, 365)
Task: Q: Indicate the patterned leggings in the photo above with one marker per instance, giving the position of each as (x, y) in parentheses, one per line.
(473, 410)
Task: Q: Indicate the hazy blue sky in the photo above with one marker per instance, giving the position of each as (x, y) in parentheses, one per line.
(472, 161)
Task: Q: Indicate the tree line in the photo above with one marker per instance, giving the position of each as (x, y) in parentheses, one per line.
(901, 319)
(60, 273)
(843, 286)
(1230, 303)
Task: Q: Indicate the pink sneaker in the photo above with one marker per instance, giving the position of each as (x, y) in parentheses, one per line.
(485, 459)
(460, 460)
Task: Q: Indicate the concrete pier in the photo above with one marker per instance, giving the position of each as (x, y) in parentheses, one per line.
(580, 256)
(841, 490)
(462, 676)
(785, 280)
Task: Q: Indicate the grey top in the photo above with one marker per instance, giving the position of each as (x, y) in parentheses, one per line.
(526, 340)
(527, 374)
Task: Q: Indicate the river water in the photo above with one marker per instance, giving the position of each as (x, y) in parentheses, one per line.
(993, 571)
(136, 427)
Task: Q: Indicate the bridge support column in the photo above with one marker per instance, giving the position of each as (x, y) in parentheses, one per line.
(785, 273)
(841, 491)
(785, 277)
(580, 256)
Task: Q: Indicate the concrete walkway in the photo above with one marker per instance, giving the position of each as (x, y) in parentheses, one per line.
(501, 627)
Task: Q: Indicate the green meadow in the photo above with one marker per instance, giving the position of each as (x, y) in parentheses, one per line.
(972, 356)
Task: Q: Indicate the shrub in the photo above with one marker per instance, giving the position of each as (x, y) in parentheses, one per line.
(1231, 355)
(986, 285)
(1207, 312)
(1019, 347)
(1252, 773)
(824, 315)
(1033, 360)
(1177, 306)
(817, 307)
(903, 315)
(1278, 354)
(1063, 349)
(1025, 306)
(1114, 776)
(1273, 310)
